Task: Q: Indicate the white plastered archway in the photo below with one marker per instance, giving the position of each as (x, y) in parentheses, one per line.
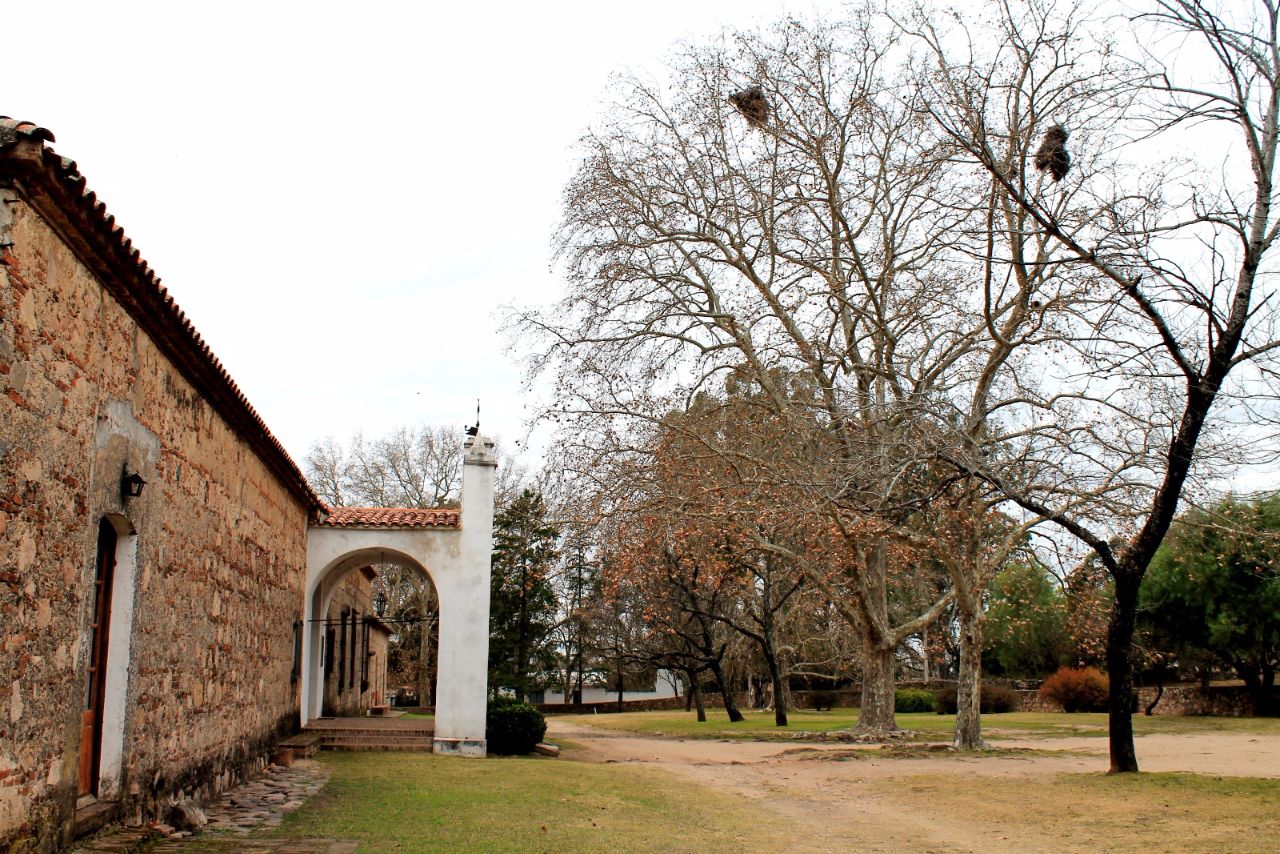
(457, 561)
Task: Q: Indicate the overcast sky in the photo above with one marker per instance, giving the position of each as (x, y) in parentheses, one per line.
(341, 195)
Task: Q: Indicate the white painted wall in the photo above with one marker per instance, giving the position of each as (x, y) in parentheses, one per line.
(664, 687)
(457, 561)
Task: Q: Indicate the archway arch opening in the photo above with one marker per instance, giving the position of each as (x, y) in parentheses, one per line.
(372, 631)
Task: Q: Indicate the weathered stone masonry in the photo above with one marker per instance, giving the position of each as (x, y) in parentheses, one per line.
(99, 372)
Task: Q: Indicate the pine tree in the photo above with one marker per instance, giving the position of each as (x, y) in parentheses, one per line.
(522, 608)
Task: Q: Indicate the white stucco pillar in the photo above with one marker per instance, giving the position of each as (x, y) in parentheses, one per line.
(463, 678)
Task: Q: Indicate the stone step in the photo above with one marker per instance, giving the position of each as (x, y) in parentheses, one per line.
(388, 736)
(378, 744)
(378, 736)
(94, 816)
(355, 736)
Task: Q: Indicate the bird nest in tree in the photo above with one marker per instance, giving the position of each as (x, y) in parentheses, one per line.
(1052, 155)
(753, 105)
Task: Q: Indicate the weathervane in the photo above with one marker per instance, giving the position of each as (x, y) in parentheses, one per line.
(473, 431)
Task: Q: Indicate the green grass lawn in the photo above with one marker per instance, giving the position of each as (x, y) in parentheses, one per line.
(419, 802)
(759, 725)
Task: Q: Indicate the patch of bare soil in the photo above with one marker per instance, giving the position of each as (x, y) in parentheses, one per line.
(914, 798)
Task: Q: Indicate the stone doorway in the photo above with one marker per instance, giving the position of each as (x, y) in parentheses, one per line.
(110, 633)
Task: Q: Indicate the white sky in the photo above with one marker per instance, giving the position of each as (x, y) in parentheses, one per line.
(341, 195)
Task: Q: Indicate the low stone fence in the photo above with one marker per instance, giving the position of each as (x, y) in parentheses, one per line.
(1226, 701)
(1229, 701)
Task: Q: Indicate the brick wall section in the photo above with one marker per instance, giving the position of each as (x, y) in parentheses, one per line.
(220, 558)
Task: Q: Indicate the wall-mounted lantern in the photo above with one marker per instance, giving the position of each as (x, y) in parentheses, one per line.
(131, 484)
(379, 603)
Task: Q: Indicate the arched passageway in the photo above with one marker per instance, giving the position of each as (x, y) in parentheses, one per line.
(453, 547)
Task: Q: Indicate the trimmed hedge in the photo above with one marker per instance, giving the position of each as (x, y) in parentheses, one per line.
(913, 700)
(1077, 689)
(995, 700)
(512, 727)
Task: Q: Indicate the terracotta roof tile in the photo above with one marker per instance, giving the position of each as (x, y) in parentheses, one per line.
(392, 517)
(58, 188)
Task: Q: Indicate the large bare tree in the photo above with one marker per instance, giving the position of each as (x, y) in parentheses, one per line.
(791, 237)
(1164, 354)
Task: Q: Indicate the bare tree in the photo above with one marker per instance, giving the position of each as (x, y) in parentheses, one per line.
(800, 257)
(1166, 346)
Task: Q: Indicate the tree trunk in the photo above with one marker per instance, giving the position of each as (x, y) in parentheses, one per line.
(696, 690)
(775, 678)
(876, 717)
(924, 643)
(622, 685)
(726, 695)
(969, 685)
(425, 686)
(1124, 611)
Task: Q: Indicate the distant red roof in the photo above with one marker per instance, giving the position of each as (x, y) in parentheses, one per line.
(54, 185)
(392, 517)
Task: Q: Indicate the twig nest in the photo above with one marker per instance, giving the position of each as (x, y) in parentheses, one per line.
(1052, 155)
(753, 105)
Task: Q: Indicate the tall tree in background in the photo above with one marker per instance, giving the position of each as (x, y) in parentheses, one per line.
(1027, 622)
(796, 250)
(523, 607)
(410, 466)
(1168, 330)
(1213, 590)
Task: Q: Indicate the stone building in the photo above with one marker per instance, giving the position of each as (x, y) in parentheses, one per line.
(165, 620)
(166, 572)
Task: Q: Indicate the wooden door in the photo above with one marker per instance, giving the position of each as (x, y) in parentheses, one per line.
(91, 719)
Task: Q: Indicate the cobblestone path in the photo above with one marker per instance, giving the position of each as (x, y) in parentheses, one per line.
(254, 808)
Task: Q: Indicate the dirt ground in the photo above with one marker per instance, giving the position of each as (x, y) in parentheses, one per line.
(1026, 796)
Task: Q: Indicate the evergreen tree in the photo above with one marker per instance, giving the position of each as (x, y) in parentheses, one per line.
(1213, 591)
(522, 610)
(1026, 622)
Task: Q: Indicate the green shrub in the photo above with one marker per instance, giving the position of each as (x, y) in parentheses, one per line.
(913, 700)
(513, 727)
(995, 700)
(1081, 689)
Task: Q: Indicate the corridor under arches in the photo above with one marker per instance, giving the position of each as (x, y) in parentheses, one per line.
(451, 547)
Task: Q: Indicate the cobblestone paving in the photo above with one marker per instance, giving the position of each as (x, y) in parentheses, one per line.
(253, 808)
(263, 802)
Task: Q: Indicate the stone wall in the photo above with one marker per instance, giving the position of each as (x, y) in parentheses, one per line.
(1227, 701)
(216, 583)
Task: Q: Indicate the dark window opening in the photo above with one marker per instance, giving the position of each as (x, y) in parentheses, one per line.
(342, 649)
(296, 672)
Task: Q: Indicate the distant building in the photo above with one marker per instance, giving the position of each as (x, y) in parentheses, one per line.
(596, 689)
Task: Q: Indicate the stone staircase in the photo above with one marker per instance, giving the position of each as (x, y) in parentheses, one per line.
(371, 734)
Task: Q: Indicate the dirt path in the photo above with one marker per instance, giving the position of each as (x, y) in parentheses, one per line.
(841, 794)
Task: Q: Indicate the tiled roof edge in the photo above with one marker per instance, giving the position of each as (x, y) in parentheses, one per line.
(391, 517)
(55, 187)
